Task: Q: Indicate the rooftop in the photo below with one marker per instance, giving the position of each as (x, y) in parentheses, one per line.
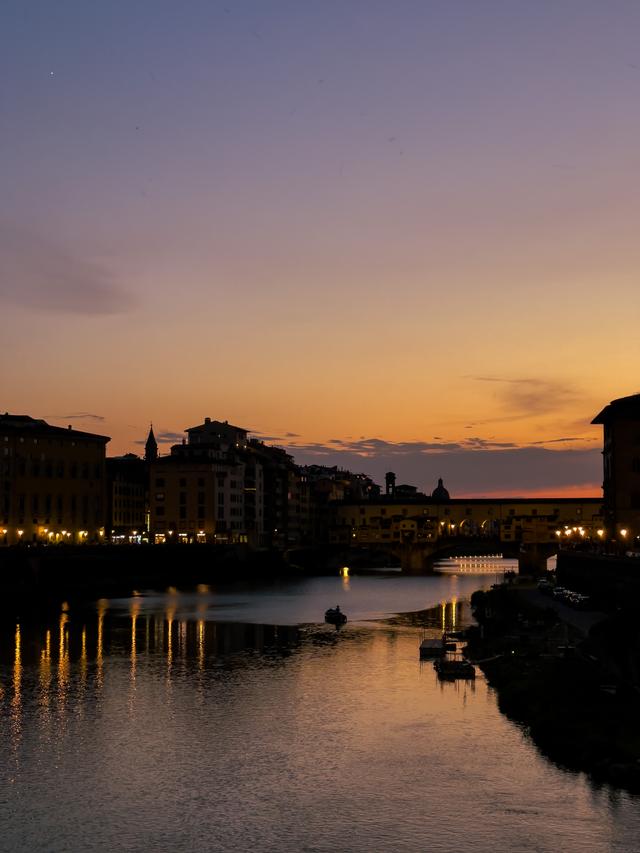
(624, 408)
(210, 426)
(39, 427)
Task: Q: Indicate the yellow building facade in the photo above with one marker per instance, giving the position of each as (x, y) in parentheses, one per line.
(193, 500)
(53, 483)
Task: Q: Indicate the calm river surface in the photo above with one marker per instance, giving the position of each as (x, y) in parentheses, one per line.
(231, 719)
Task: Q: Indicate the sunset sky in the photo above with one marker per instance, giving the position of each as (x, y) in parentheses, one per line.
(387, 235)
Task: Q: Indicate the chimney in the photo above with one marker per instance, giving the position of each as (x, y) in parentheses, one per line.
(207, 420)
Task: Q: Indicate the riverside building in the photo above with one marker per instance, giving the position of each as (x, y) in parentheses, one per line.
(208, 490)
(621, 468)
(53, 483)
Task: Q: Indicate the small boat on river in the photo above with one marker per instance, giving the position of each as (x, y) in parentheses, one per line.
(335, 616)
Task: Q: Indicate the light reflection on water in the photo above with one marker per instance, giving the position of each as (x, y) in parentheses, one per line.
(162, 723)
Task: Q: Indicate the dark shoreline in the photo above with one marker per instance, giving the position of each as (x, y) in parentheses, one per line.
(577, 699)
(106, 569)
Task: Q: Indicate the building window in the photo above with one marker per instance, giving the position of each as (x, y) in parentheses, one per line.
(183, 482)
(160, 482)
(159, 510)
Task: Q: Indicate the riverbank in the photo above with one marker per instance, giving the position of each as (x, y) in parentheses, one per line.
(105, 570)
(575, 690)
(81, 571)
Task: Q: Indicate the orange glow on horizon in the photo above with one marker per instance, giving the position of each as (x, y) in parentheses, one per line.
(586, 490)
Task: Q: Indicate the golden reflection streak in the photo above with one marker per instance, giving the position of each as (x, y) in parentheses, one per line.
(171, 611)
(15, 720)
(201, 643)
(83, 655)
(63, 657)
(102, 608)
(16, 701)
(45, 672)
(135, 609)
(454, 606)
(443, 614)
(44, 678)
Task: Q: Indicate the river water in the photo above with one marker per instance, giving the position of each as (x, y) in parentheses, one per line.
(231, 719)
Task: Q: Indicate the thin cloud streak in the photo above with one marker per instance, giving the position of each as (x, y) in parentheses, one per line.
(527, 397)
(38, 275)
(76, 416)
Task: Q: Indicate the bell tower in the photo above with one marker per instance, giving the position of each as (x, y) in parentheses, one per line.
(151, 447)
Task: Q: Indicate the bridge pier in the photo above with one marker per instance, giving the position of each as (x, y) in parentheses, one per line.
(414, 558)
(532, 558)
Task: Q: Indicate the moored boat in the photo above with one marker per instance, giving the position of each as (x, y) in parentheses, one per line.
(335, 616)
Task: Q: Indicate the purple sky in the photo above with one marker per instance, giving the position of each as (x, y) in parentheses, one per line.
(409, 221)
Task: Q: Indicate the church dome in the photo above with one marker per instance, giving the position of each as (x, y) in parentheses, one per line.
(440, 493)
